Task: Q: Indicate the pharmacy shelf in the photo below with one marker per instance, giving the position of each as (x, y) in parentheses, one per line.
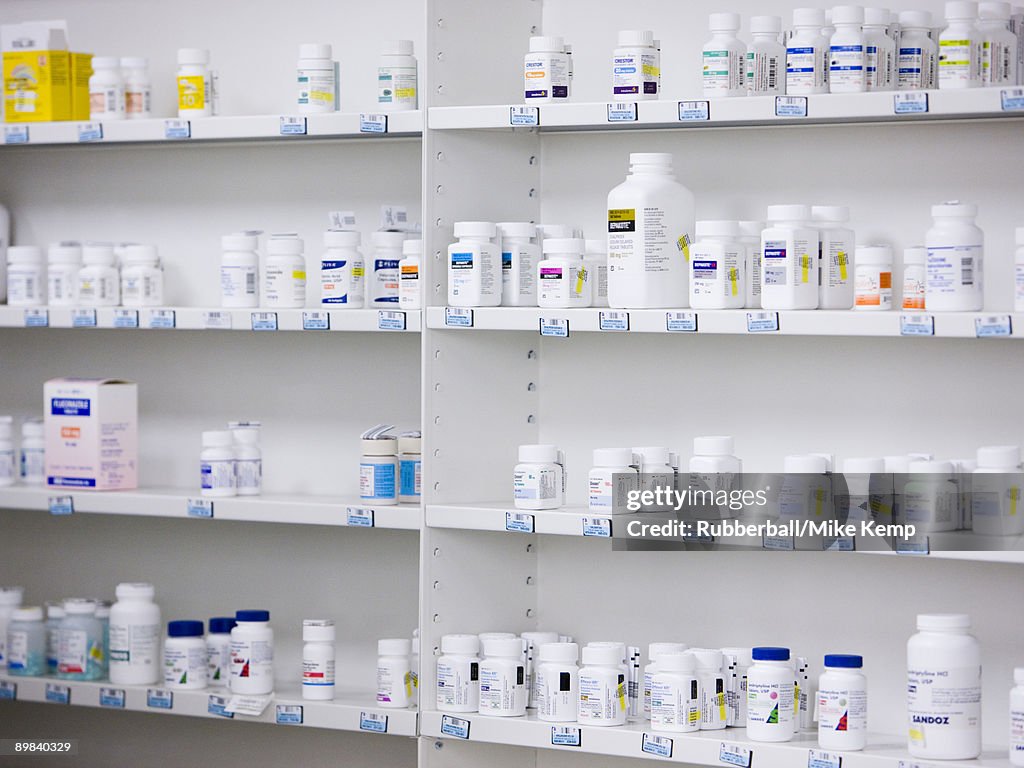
(163, 131)
(160, 502)
(199, 318)
(347, 712)
(551, 322)
(885, 106)
(714, 748)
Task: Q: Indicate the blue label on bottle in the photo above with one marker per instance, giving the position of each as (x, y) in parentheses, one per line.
(408, 470)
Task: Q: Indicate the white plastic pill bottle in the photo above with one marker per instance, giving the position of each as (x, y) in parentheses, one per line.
(63, 262)
(654, 652)
(410, 467)
(248, 461)
(611, 480)
(956, 248)
(873, 278)
(138, 88)
(602, 699)
(636, 66)
(396, 77)
(917, 54)
(999, 45)
(770, 695)
(675, 694)
(836, 246)
(595, 259)
(106, 89)
(807, 53)
(717, 266)
(99, 284)
(723, 58)
(538, 480)
(410, 286)
(520, 255)
(10, 598)
(316, 79)
(185, 656)
(318, 652)
(32, 454)
(26, 642)
(503, 678)
(880, 50)
(960, 47)
(284, 279)
(714, 713)
(394, 675)
(474, 266)
(218, 650)
(239, 271)
(789, 274)
(996, 491)
(1017, 718)
(458, 674)
(531, 645)
(378, 467)
(342, 271)
(750, 236)
(135, 635)
(914, 277)
(26, 276)
(765, 67)
(847, 54)
(563, 280)
(195, 83)
(217, 464)
(842, 703)
(736, 663)
(546, 71)
(142, 279)
(252, 653)
(556, 682)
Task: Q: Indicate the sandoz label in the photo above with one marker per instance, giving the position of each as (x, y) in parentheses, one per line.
(942, 700)
(522, 116)
(454, 726)
(622, 112)
(694, 111)
(90, 132)
(293, 126)
(177, 129)
(656, 745)
(791, 106)
(682, 322)
(374, 722)
(910, 103)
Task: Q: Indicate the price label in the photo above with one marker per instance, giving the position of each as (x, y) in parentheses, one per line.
(910, 103)
(565, 736)
(522, 116)
(458, 317)
(791, 106)
(216, 705)
(783, 543)
(390, 320)
(157, 698)
(598, 527)
(993, 326)
(252, 706)
(177, 129)
(161, 319)
(518, 522)
(917, 325)
(734, 754)
(61, 505)
(374, 722)
(37, 318)
(920, 546)
(90, 132)
(316, 321)
(456, 727)
(288, 714)
(292, 126)
(373, 123)
(359, 517)
(216, 320)
(112, 697)
(1012, 100)
(8, 690)
(550, 326)
(661, 746)
(762, 322)
(681, 322)
(264, 321)
(622, 112)
(199, 508)
(126, 318)
(818, 759)
(15, 134)
(840, 544)
(694, 111)
(58, 694)
(613, 321)
(83, 318)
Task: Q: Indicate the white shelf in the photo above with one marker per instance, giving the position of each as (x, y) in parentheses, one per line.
(338, 125)
(700, 748)
(344, 713)
(732, 321)
(161, 502)
(212, 318)
(983, 103)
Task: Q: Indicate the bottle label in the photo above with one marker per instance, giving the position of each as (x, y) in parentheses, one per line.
(1016, 732)
(249, 474)
(135, 645)
(602, 699)
(73, 652)
(764, 73)
(376, 481)
(843, 710)
(953, 268)
(7, 470)
(105, 101)
(635, 74)
(910, 72)
(846, 65)
(397, 85)
(285, 285)
(184, 666)
(955, 61)
(546, 76)
(218, 662)
(316, 88)
(942, 701)
(713, 710)
(216, 474)
(385, 282)
(803, 69)
(318, 673)
(675, 706)
(17, 649)
(252, 660)
(138, 100)
(455, 683)
(535, 484)
(192, 92)
(723, 72)
(410, 477)
(238, 282)
(771, 703)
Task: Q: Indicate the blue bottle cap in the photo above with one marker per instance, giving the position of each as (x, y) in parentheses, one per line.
(844, 660)
(186, 628)
(221, 625)
(770, 653)
(252, 615)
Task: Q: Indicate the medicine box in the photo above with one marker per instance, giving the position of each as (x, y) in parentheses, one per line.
(43, 81)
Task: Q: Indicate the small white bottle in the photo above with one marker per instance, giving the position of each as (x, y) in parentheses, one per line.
(382, 270)
(217, 464)
(1017, 718)
(531, 645)
(714, 713)
(218, 650)
(736, 664)
(915, 277)
(245, 443)
(410, 286)
(636, 66)
(185, 656)
(563, 280)
(316, 79)
(546, 71)
(539, 478)
(998, 44)
(836, 247)
(341, 271)
(378, 466)
(8, 457)
(960, 47)
(106, 89)
(135, 636)
(996, 491)
(557, 682)
(33, 452)
(789, 274)
(10, 598)
(520, 255)
(917, 54)
(765, 67)
(99, 284)
(458, 674)
(318, 637)
(770, 696)
(842, 703)
(873, 278)
(717, 266)
(750, 236)
(880, 50)
(723, 58)
(611, 480)
(239, 271)
(602, 685)
(503, 678)
(394, 676)
(396, 77)
(595, 259)
(138, 89)
(26, 276)
(474, 266)
(26, 642)
(410, 467)
(654, 652)
(847, 55)
(63, 262)
(195, 83)
(142, 278)
(955, 259)
(252, 653)
(675, 694)
(713, 465)
(284, 279)
(807, 53)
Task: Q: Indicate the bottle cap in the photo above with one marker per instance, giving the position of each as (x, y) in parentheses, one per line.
(961, 9)
(397, 646)
(995, 11)
(238, 242)
(876, 17)
(337, 238)
(656, 650)
(943, 621)
(809, 17)
(724, 22)
(718, 228)
(571, 246)
(100, 254)
(916, 254)
(135, 591)
(800, 213)
(185, 628)
(217, 439)
(221, 625)
(762, 25)
(545, 231)
(652, 454)
(651, 158)
(565, 653)
(770, 653)
(474, 229)
(708, 658)
(463, 645)
(677, 662)
(916, 19)
(387, 240)
(830, 213)
(106, 62)
(380, 446)
(602, 655)
(897, 465)
(719, 445)
(863, 466)
(59, 253)
(880, 255)
(517, 229)
(246, 436)
(613, 457)
(55, 611)
(315, 51)
(954, 208)
(620, 648)
(636, 38)
(805, 464)
(848, 14)
(503, 647)
(199, 56)
(549, 44)
(134, 62)
(27, 613)
(252, 614)
(412, 248)
(397, 48)
(318, 631)
(537, 639)
(751, 229)
(844, 660)
(538, 454)
(140, 254)
(411, 443)
(79, 606)
(999, 457)
(24, 254)
(284, 246)
(744, 656)
(926, 467)
(32, 428)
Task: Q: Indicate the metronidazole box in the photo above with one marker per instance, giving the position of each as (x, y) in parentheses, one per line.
(91, 434)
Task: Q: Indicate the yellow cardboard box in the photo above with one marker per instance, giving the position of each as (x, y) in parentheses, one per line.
(42, 80)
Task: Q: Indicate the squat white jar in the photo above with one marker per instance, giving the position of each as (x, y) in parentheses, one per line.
(503, 678)
(546, 71)
(217, 464)
(142, 279)
(185, 656)
(602, 699)
(458, 674)
(106, 89)
(611, 480)
(770, 692)
(842, 703)
(914, 277)
(252, 653)
(341, 271)
(378, 470)
(316, 79)
(284, 280)
(557, 682)
(239, 271)
(396, 77)
(538, 479)
(873, 278)
(394, 676)
(135, 635)
(716, 266)
(63, 262)
(675, 694)
(636, 66)
(563, 280)
(955, 259)
(382, 270)
(318, 660)
(26, 276)
(99, 284)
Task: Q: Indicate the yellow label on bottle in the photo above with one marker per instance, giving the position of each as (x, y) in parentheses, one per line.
(805, 268)
(581, 275)
(298, 274)
(620, 694)
(358, 271)
(405, 93)
(843, 260)
(683, 244)
(733, 280)
(191, 92)
(720, 700)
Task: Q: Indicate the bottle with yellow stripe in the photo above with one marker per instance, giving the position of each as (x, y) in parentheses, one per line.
(717, 261)
(789, 271)
(563, 278)
(836, 246)
(603, 685)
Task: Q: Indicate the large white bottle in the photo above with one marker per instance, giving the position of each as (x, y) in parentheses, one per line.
(650, 227)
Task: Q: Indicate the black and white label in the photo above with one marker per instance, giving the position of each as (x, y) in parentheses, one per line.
(157, 698)
(1011, 99)
(375, 722)
(681, 322)
(264, 321)
(598, 527)
(454, 726)
(791, 106)
(734, 754)
(126, 318)
(917, 325)
(694, 111)
(518, 522)
(613, 321)
(458, 317)
(58, 694)
(61, 505)
(661, 746)
(359, 517)
(8, 690)
(565, 736)
(778, 542)
(15, 134)
(162, 319)
(390, 320)
(523, 116)
(993, 326)
(762, 322)
(215, 705)
(83, 318)
(37, 318)
(177, 129)
(553, 326)
(112, 697)
(292, 125)
(199, 508)
(622, 112)
(910, 103)
(216, 320)
(316, 321)
(90, 132)
(288, 714)
(816, 758)
(373, 123)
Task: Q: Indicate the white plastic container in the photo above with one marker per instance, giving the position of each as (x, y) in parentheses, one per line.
(602, 699)
(713, 465)
(342, 271)
(770, 696)
(217, 464)
(316, 79)
(765, 68)
(654, 652)
(717, 266)
(26, 276)
(842, 703)
(218, 651)
(135, 636)
(546, 71)
(675, 694)
(378, 468)
(847, 54)
(284, 278)
(557, 682)
(996, 507)
(138, 88)
(252, 653)
(750, 236)
(917, 54)
(956, 249)
(195, 83)
(106, 89)
(807, 54)
(563, 281)
(410, 468)
(931, 498)
(611, 480)
(10, 598)
(185, 656)
(636, 66)
(474, 266)
(873, 278)
(245, 444)
(736, 664)
(723, 58)
(503, 678)
(650, 226)
(410, 286)
(880, 50)
(142, 279)
(836, 246)
(99, 284)
(8, 456)
(944, 689)
(998, 45)
(1017, 718)
(32, 454)
(654, 466)
(318, 651)
(789, 275)
(915, 277)
(713, 711)
(396, 77)
(519, 258)
(394, 676)
(531, 650)
(538, 480)
(79, 635)
(595, 259)
(63, 262)
(458, 674)
(960, 47)
(239, 271)
(26, 642)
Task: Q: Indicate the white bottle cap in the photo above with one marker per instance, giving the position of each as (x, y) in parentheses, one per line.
(387, 240)
(955, 208)
(633, 38)
(651, 158)
(474, 229)
(965, 466)
(337, 238)
(595, 247)
(101, 254)
(897, 464)
(11, 596)
(395, 646)
(135, 590)
(724, 22)
(380, 446)
(134, 62)
(1020, 235)
(27, 613)
(503, 647)
(465, 645)
(315, 51)
(830, 459)
(789, 213)
(102, 609)
(602, 655)
(961, 9)
(238, 242)
(397, 48)
(744, 656)
(55, 611)
(59, 253)
(572, 246)
(217, 439)
(830, 213)
(318, 631)
(916, 254)
(809, 465)
(876, 17)
(925, 467)
(79, 606)
(193, 56)
(863, 466)
(718, 228)
(716, 445)
(707, 658)
(751, 228)
(1018, 676)
(246, 436)
(32, 428)
(552, 44)
(564, 653)
(916, 19)
(410, 443)
(106, 62)
(517, 229)
(848, 14)
(284, 246)
(652, 454)
(24, 254)
(538, 454)
(140, 254)
(941, 621)
(999, 457)
(412, 247)
(677, 662)
(765, 25)
(997, 11)
(809, 17)
(545, 231)
(620, 648)
(613, 457)
(657, 650)
(878, 255)
(920, 456)
(539, 638)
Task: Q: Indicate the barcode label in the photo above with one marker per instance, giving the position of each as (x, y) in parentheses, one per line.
(61, 505)
(910, 103)
(598, 527)
(734, 754)
(921, 546)
(177, 129)
(519, 116)
(359, 517)
(90, 132)
(762, 322)
(967, 270)
(455, 727)
(374, 123)
(993, 326)
(791, 106)
(112, 697)
(58, 694)
(565, 736)
(694, 111)
(818, 759)
(37, 318)
(161, 318)
(15, 134)
(157, 698)
(1012, 99)
(8, 691)
(917, 325)
(215, 320)
(288, 714)
(518, 522)
(622, 112)
(264, 321)
(681, 322)
(558, 328)
(199, 508)
(292, 126)
(613, 321)
(458, 317)
(83, 318)
(316, 321)
(126, 318)
(217, 705)
(373, 722)
(389, 320)
(660, 746)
